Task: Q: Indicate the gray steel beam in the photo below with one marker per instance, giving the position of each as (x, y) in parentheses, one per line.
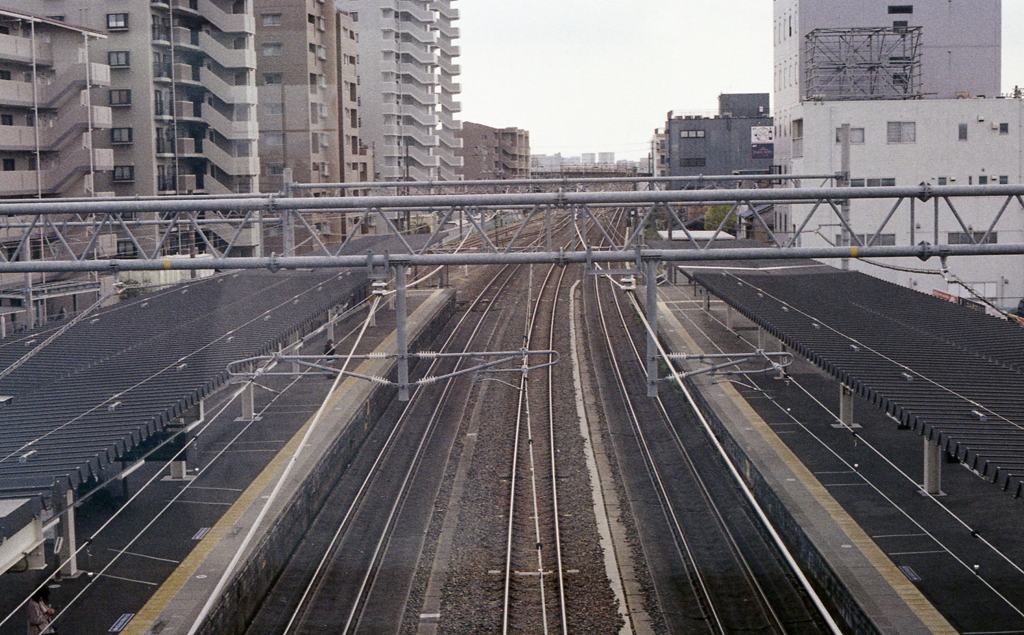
(565, 199)
(275, 263)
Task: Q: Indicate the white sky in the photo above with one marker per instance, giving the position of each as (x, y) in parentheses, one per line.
(600, 76)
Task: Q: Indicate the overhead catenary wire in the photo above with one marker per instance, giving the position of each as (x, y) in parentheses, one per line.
(908, 477)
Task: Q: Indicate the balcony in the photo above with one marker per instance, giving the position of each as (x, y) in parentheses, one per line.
(54, 135)
(19, 49)
(416, 72)
(235, 166)
(416, 11)
(186, 38)
(424, 57)
(65, 85)
(445, 9)
(227, 22)
(227, 57)
(417, 32)
(448, 67)
(185, 73)
(245, 94)
(419, 136)
(234, 130)
(422, 157)
(190, 6)
(187, 110)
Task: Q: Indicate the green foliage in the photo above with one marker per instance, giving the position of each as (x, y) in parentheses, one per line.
(130, 289)
(713, 218)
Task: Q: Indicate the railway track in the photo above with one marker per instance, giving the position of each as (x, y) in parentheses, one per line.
(735, 581)
(534, 594)
(348, 552)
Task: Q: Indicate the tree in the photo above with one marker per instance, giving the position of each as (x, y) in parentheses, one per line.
(713, 218)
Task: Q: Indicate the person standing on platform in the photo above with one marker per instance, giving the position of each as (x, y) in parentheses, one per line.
(40, 613)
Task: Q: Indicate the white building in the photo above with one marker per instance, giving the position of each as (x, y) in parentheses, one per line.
(407, 83)
(959, 48)
(919, 85)
(905, 143)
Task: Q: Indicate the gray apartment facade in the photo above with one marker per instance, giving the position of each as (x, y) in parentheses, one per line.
(407, 56)
(730, 142)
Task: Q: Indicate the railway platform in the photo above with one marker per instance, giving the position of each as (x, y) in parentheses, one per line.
(847, 488)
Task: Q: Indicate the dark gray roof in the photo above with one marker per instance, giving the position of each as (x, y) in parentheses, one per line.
(154, 357)
(952, 373)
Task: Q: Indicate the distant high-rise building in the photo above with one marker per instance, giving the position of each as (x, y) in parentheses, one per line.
(297, 68)
(588, 158)
(493, 153)
(606, 158)
(407, 71)
(53, 112)
(356, 157)
(182, 92)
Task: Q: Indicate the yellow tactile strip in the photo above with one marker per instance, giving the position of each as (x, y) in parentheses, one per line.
(901, 587)
(348, 390)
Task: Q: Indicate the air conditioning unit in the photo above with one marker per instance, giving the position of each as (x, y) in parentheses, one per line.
(186, 183)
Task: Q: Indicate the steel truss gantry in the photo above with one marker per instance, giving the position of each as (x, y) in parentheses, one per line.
(72, 229)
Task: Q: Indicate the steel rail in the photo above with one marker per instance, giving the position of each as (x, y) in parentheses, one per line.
(698, 584)
(314, 587)
(723, 527)
(523, 413)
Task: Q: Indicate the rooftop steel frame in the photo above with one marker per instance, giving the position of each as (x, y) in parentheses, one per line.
(863, 63)
(453, 216)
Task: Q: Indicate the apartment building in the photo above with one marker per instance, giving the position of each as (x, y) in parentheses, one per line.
(357, 161)
(407, 70)
(493, 153)
(182, 92)
(296, 45)
(51, 117)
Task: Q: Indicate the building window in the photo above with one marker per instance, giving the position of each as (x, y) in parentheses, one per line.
(6, 120)
(883, 240)
(273, 139)
(273, 78)
(900, 24)
(120, 97)
(120, 135)
(275, 169)
(273, 108)
(314, 112)
(943, 180)
(8, 165)
(901, 9)
(901, 132)
(5, 74)
(126, 248)
(117, 59)
(117, 21)
(695, 162)
(1004, 180)
(982, 180)
(880, 182)
(856, 136)
(272, 49)
(963, 238)
(1004, 128)
(856, 182)
(123, 173)
(270, 19)
(962, 134)
(692, 134)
